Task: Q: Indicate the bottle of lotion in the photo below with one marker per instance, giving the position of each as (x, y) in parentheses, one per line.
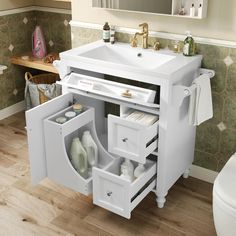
(200, 11)
(112, 35)
(106, 33)
(79, 158)
(192, 11)
(91, 148)
(127, 170)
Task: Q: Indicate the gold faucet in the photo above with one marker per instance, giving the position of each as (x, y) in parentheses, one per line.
(143, 34)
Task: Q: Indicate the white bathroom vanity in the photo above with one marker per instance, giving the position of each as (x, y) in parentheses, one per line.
(165, 147)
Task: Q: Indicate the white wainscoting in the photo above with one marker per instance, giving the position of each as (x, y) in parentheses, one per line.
(9, 111)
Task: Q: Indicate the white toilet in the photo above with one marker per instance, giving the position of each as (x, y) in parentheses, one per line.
(224, 199)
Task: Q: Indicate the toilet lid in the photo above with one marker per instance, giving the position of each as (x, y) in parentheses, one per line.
(225, 183)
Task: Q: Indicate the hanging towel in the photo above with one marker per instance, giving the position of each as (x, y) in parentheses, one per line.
(200, 105)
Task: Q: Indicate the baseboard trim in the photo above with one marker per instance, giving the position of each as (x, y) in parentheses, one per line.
(203, 174)
(164, 35)
(34, 8)
(9, 111)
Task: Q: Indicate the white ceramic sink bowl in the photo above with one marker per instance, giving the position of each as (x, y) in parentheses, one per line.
(123, 54)
(146, 65)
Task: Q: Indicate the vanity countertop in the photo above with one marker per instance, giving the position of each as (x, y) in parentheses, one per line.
(120, 59)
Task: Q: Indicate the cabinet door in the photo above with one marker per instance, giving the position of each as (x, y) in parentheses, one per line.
(35, 133)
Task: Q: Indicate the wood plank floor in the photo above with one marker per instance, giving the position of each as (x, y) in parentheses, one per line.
(49, 209)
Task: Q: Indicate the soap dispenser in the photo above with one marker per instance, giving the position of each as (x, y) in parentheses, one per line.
(189, 45)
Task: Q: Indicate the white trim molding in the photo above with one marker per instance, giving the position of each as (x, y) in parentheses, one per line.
(164, 35)
(34, 8)
(203, 174)
(9, 111)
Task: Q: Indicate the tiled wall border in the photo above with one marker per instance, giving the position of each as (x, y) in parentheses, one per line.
(209, 41)
(34, 8)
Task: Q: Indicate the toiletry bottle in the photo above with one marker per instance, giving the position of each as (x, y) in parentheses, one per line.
(200, 11)
(189, 45)
(79, 158)
(192, 11)
(125, 174)
(139, 170)
(112, 35)
(91, 148)
(106, 33)
(127, 165)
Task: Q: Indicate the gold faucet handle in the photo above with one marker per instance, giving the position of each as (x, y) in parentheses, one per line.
(157, 46)
(133, 43)
(144, 27)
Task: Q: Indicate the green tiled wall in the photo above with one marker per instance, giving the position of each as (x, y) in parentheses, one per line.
(16, 30)
(216, 138)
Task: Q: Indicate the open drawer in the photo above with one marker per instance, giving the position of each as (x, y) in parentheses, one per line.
(58, 139)
(130, 139)
(100, 88)
(118, 195)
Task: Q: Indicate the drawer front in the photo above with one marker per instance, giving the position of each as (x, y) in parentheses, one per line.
(111, 192)
(118, 195)
(131, 140)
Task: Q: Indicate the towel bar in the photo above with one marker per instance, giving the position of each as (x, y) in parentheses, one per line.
(180, 91)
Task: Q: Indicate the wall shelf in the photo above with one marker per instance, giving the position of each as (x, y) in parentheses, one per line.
(186, 4)
(34, 63)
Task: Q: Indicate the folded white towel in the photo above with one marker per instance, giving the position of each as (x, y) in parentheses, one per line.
(200, 105)
(142, 118)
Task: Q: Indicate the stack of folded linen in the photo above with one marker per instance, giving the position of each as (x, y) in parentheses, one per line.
(142, 118)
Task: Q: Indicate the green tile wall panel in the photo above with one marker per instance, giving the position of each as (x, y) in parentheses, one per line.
(14, 31)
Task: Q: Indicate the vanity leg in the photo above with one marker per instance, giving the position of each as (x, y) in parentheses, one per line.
(161, 199)
(186, 173)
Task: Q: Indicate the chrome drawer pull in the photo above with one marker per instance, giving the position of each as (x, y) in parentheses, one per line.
(109, 194)
(125, 140)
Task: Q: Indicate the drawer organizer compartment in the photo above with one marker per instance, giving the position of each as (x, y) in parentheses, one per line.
(58, 139)
(119, 195)
(101, 88)
(131, 139)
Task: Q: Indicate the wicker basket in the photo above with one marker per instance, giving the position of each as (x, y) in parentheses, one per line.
(48, 78)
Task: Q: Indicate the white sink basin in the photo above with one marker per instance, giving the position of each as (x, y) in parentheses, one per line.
(123, 54)
(145, 65)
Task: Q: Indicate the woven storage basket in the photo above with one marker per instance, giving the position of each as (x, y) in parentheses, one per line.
(48, 78)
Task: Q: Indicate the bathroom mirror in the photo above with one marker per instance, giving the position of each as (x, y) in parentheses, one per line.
(150, 6)
(178, 8)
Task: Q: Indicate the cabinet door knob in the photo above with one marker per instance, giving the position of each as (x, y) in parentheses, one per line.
(109, 194)
(125, 140)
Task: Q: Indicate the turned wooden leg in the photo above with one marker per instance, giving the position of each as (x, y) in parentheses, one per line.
(161, 199)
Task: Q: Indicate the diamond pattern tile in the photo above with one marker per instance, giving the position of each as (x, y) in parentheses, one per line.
(51, 43)
(228, 61)
(25, 20)
(15, 92)
(11, 48)
(66, 23)
(221, 126)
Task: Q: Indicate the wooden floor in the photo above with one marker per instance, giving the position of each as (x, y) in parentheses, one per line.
(49, 209)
